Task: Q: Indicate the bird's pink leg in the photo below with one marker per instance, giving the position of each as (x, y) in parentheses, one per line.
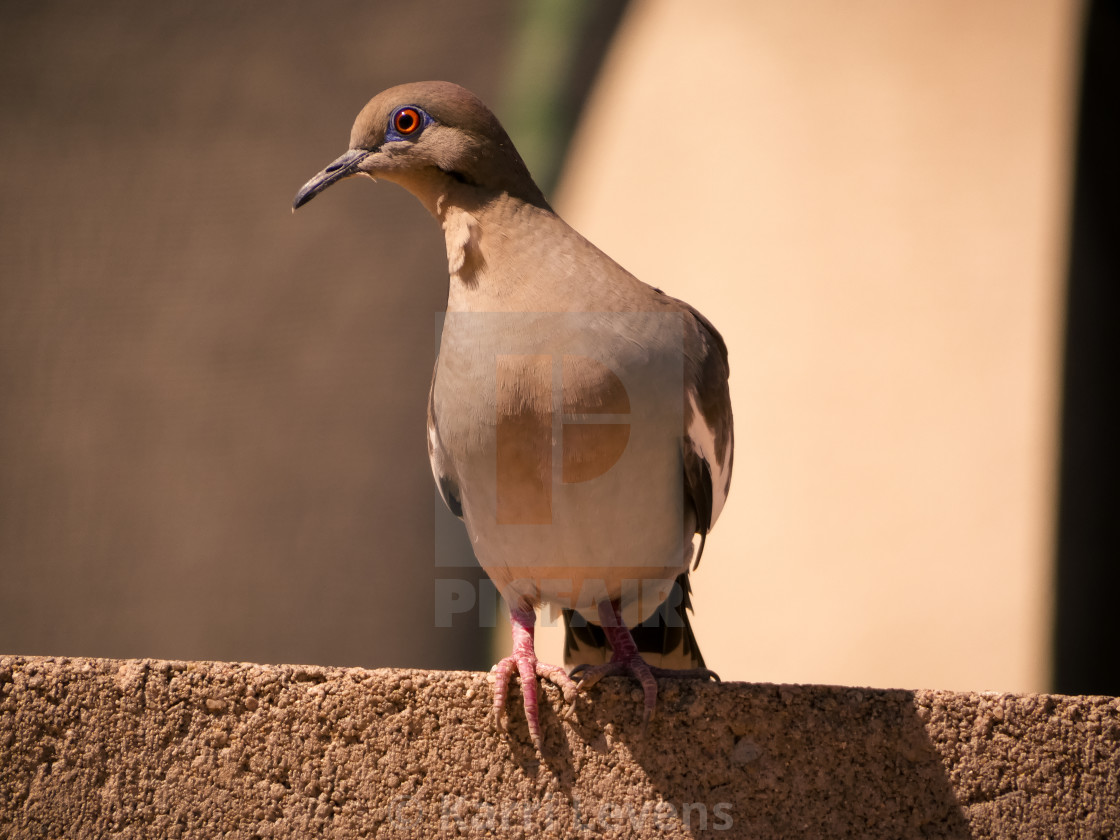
(625, 659)
(524, 659)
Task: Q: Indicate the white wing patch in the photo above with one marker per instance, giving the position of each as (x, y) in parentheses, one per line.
(434, 448)
(702, 438)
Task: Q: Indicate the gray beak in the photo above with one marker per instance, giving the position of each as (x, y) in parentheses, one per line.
(344, 167)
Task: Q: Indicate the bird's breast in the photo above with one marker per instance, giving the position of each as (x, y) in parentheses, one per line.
(564, 433)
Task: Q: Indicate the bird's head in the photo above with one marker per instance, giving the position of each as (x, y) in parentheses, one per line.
(429, 137)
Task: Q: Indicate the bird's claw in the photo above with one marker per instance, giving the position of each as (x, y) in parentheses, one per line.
(685, 673)
(528, 668)
(499, 720)
(647, 675)
(587, 675)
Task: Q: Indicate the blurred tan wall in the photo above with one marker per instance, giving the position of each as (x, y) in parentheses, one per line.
(869, 200)
(212, 411)
(211, 429)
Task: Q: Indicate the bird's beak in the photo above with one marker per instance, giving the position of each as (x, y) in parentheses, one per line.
(344, 167)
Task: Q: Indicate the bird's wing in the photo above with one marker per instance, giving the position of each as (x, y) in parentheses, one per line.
(441, 469)
(708, 445)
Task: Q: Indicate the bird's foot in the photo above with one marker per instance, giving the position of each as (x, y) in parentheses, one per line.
(528, 668)
(627, 661)
(646, 674)
(524, 661)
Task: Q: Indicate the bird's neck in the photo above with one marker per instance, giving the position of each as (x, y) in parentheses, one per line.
(462, 233)
(488, 237)
(508, 252)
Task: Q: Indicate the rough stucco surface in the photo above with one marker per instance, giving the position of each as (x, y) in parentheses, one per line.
(144, 748)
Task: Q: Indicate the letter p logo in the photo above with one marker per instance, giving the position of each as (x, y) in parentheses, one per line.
(572, 402)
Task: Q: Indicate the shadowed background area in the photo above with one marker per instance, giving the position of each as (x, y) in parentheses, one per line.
(212, 412)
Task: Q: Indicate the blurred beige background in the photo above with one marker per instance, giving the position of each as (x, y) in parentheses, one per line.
(869, 200)
(211, 434)
(212, 425)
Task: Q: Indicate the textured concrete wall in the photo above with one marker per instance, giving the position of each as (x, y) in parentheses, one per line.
(144, 748)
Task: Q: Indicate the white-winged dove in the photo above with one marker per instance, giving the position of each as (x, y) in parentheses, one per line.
(579, 420)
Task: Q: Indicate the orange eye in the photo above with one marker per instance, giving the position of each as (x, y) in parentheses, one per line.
(406, 120)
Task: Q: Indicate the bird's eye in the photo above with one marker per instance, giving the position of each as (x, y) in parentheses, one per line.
(406, 121)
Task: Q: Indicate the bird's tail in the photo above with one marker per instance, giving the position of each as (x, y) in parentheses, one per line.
(665, 639)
